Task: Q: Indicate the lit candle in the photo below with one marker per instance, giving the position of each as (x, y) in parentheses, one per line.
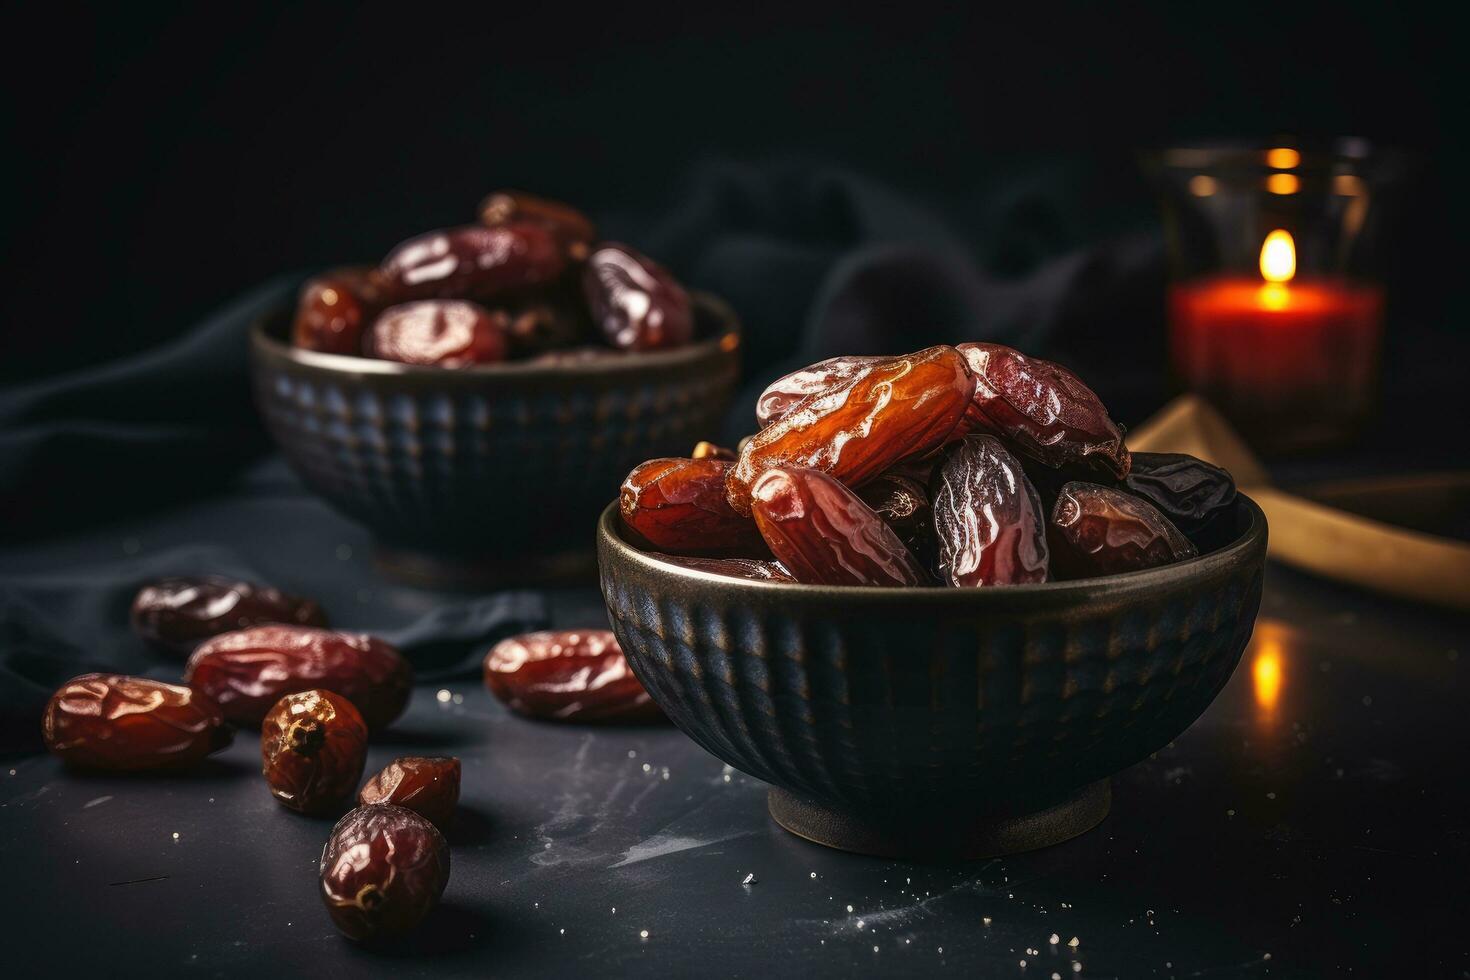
(1291, 361)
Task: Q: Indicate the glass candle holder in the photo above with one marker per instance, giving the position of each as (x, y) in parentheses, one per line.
(1275, 316)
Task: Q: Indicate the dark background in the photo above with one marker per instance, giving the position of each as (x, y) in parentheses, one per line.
(164, 160)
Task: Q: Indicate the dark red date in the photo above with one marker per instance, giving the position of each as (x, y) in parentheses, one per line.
(680, 506)
(439, 332)
(752, 569)
(427, 786)
(903, 504)
(312, 748)
(785, 393)
(246, 672)
(472, 262)
(1100, 531)
(635, 302)
(889, 409)
(111, 721)
(1188, 491)
(571, 227)
(822, 533)
(176, 614)
(382, 871)
(568, 675)
(988, 518)
(536, 328)
(335, 308)
(1043, 410)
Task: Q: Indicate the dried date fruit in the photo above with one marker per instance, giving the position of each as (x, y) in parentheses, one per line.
(472, 262)
(635, 302)
(823, 534)
(1188, 491)
(246, 672)
(111, 721)
(177, 614)
(312, 748)
(903, 504)
(753, 569)
(568, 675)
(855, 429)
(708, 450)
(988, 518)
(382, 870)
(334, 308)
(544, 326)
(438, 332)
(571, 227)
(1096, 530)
(427, 786)
(1043, 410)
(680, 506)
(784, 393)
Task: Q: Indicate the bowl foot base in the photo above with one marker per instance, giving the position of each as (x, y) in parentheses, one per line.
(977, 835)
(485, 571)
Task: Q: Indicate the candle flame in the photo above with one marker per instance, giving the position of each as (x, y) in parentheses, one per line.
(1278, 257)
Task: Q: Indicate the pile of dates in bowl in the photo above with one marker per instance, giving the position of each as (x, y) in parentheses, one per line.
(482, 387)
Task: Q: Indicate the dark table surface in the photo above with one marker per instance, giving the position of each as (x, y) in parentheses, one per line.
(1311, 823)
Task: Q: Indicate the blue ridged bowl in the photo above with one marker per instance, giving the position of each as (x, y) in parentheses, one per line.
(500, 466)
(936, 721)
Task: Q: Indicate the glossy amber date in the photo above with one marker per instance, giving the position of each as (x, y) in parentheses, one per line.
(568, 675)
(472, 262)
(855, 429)
(708, 450)
(438, 332)
(1188, 491)
(246, 672)
(1043, 410)
(903, 504)
(335, 308)
(1096, 530)
(111, 721)
(312, 748)
(382, 871)
(427, 786)
(753, 569)
(988, 517)
(571, 227)
(784, 393)
(680, 506)
(823, 534)
(177, 614)
(635, 302)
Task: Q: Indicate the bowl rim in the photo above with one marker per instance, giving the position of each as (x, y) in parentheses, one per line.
(726, 340)
(1232, 555)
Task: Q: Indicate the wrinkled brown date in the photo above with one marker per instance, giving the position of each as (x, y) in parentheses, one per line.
(1100, 531)
(438, 332)
(1188, 491)
(903, 504)
(427, 786)
(708, 450)
(246, 672)
(335, 308)
(1042, 409)
(571, 227)
(176, 614)
(472, 262)
(568, 675)
(823, 534)
(680, 506)
(382, 870)
(111, 721)
(854, 430)
(312, 748)
(753, 569)
(783, 394)
(988, 517)
(635, 302)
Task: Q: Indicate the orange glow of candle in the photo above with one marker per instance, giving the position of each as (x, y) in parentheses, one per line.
(1267, 674)
(1278, 256)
